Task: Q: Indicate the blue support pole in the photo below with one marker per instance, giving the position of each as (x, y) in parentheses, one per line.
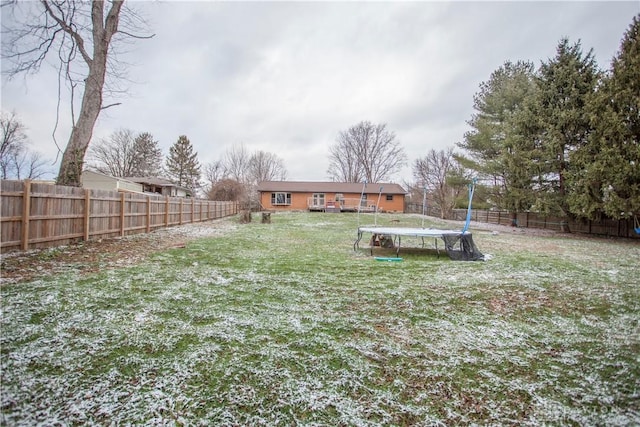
(472, 187)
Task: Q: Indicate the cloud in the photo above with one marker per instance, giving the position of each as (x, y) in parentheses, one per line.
(287, 77)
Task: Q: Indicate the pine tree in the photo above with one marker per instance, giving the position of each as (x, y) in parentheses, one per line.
(605, 173)
(565, 84)
(148, 155)
(499, 138)
(182, 164)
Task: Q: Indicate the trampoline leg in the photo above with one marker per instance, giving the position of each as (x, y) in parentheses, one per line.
(356, 244)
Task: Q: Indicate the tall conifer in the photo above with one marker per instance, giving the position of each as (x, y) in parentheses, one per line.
(605, 174)
(182, 164)
(565, 84)
(496, 143)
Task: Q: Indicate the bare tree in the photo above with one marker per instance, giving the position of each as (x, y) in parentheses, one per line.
(434, 173)
(228, 189)
(29, 165)
(213, 173)
(78, 33)
(235, 162)
(344, 165)
(16, 160)
(124, 154)
(264, 166)
(116, 155)
(14, 138)
(365, 152)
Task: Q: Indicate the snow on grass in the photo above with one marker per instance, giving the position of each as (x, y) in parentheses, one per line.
(283, 323)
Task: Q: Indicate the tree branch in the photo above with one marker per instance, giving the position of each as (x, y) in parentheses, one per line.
(67, 29)
(111, 105)
(135, 36)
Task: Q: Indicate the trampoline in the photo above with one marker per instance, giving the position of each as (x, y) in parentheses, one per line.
(458, 244)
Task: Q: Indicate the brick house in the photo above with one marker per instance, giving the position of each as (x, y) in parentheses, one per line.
(331, 196)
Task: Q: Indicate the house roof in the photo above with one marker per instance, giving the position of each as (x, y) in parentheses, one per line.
(157, 181)
(161, 182)
(330, 187)
(115, 178)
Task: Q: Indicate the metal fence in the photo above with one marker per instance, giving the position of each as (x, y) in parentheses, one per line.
(38, 215)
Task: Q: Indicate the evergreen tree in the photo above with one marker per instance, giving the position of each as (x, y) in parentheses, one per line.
(501, 135)
(182, 164)
(565, 84)
(148, 155)
(605, 172)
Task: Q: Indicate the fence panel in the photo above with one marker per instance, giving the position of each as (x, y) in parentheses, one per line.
(157, 212)
(38, 215)
(56, 214)
(11, 211)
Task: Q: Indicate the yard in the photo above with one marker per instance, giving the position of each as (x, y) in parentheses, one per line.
(284, 324)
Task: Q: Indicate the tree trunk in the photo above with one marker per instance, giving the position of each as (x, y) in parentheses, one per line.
(103, 30)
(73, 157)
(245, 216)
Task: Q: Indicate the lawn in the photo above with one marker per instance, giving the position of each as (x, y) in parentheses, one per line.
(285, 324)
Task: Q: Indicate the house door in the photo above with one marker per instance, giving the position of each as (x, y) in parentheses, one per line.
(318, 199)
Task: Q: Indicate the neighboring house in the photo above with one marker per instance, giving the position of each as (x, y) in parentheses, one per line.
(331, 196)
(161, 186)
(99, 181)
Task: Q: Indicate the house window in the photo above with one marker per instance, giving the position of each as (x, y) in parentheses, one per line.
(363, 201)
(280, 198)
(318, 199)
(339, 197)
(389, 197)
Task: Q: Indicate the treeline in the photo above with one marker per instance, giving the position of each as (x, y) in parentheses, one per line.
(560, 140)
(127, 154)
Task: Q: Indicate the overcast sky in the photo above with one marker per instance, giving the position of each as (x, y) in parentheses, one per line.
(288, 77)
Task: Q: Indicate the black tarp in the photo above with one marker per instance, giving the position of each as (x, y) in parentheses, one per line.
(460, 247)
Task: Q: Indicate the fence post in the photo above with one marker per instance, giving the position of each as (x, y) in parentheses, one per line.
(121, 214)
(26, 212)
(148, 214)
(87, 213)
(180, 216)
(166, 212)
(193, 210)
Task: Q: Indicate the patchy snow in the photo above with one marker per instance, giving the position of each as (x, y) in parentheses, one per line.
(281, 331)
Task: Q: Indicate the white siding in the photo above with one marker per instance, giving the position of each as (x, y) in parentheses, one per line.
(98, 181)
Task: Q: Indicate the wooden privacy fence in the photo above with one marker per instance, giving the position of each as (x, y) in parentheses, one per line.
(37, 215)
